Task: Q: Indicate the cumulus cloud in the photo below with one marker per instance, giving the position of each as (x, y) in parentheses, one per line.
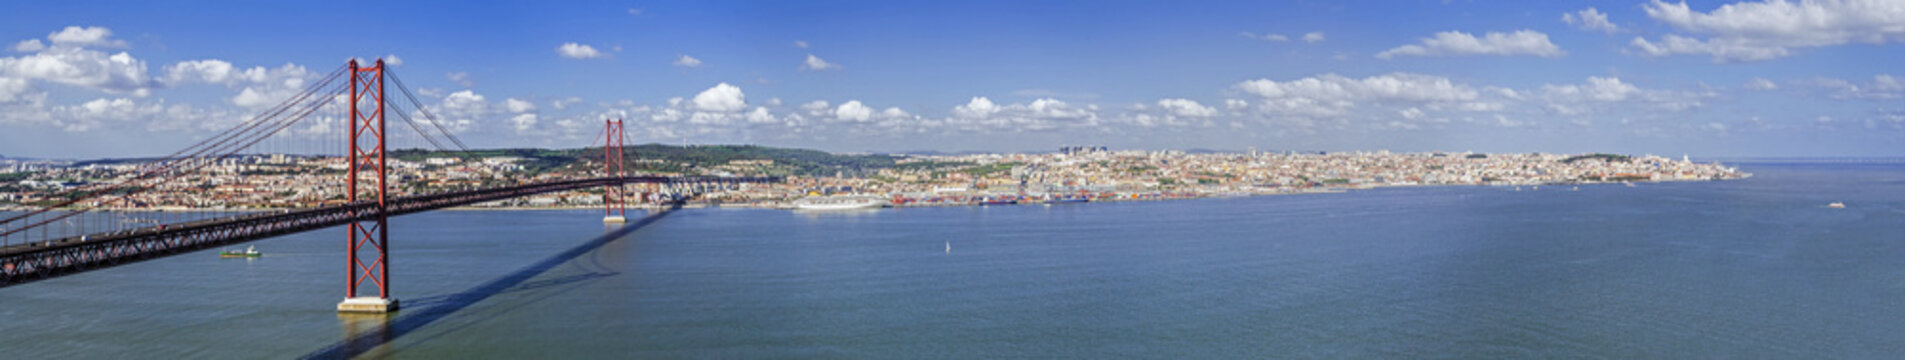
(461, 111)
(29, 45)
(565, 103)
(1761, 84)
(1186, 107)
(687, 61)
(1313, 37)
(393, 60)
(12, 89)
(260, 86)
(1599, 94)
(1591, 20)
(721, 98)
(461, 78)
(85, 36)
(816, 64)
(1881, 87)
(96, 114)
(853, 110)
(524, 123)
(518, 106)
(1330, 100)
(1750, 31)
(1455, 43)
(579, 51)
(113, 73)
(982, 115)
(1265, 37)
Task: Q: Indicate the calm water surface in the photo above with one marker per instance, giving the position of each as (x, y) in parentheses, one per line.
(1757, 268)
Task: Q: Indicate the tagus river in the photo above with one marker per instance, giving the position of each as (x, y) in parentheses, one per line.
(1755, 268)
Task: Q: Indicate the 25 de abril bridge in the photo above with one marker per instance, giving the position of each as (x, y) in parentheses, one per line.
(87, 227)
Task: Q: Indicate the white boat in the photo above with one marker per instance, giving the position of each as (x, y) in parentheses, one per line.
(840, 202)
(1836, 205)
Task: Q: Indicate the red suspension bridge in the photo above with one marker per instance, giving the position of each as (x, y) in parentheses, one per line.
(41, 243)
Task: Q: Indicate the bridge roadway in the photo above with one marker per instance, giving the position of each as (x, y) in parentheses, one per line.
(46, 259)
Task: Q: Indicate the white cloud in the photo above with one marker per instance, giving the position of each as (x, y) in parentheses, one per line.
(1411, 113)
(634, 11)
(461, 111)
(1761, 84)
(261, 86)
(1590, 19)
(976, 108)
(1520, 42)
(461, 78)
(816, 107)
(1597, 88)
(1186, 107)
(214, 71)
(760, 115)
(393, 60)
(518, 106)
(1313, 37)
(1335, 88)
(816, 64)
(1722, 50)
(982, 115)
(687, 61)
(721, 98)
(13, 90)
(1310, 103)
(523, 122)
(29, 45)
(564, 104)
(1882, 87)
(1748, 31)
(579, 51)
(853, 110)
(1266, 37)
(800, 44)
(96, 114)
(115, 73)
(1600, 94)
(85, 36)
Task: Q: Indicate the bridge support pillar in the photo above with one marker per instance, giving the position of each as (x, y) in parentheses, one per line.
(613, 209)
(367, 157)
(367, 304)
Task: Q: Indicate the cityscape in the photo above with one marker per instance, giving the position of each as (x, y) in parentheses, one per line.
(280, 181)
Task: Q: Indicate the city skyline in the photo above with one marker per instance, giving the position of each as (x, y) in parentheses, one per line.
(1728, 79)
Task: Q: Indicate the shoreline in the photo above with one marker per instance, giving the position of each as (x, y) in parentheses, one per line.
(787, 205)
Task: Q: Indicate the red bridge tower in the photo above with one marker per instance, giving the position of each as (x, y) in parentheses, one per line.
(367, 156)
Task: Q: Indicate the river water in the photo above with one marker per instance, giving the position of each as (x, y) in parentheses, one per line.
(1755, 268)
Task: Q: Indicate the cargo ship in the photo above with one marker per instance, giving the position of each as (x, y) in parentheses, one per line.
(841, 202)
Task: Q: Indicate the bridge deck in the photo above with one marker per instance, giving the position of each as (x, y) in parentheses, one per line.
(45, 259)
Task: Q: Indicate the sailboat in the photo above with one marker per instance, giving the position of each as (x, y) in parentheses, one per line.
(948, 247)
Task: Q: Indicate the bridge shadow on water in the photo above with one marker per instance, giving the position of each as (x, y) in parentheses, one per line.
(378, 330)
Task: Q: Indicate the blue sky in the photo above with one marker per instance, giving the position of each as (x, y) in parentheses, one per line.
(1719, 78)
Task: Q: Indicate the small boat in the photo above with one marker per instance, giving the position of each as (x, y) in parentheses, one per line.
(248, 253)
(948, 247)
(1836, 205)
